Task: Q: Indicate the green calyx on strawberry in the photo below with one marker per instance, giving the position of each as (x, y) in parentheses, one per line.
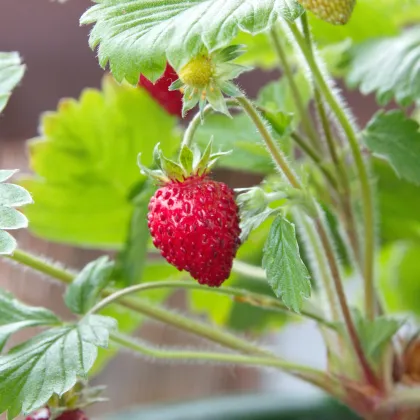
(337, 12)
(193, 220)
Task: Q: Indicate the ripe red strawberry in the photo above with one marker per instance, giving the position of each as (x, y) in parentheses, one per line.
(194, 220)
(170, 100)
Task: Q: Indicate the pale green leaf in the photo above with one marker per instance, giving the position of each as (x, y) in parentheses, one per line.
(15, 316)
(49, 363)
(186, 158)
(397, 76)
(85, 164)
(136, 36)
(286, 272)
(397, 139)
(239, 134)
(11, 73)
(83, 293)
(11, 196)
(375, 335)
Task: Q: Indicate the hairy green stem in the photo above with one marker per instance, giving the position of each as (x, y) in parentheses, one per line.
(311, 375)
(41, 265)
(314, 242)
(349, 219)
(153, 311)
(245, 296)
(315, 156)
(197, 121)
(362, 169)
(270, 143)
(339, 288)
(304, 115)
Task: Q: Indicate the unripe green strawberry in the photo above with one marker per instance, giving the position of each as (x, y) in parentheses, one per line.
(337, 12)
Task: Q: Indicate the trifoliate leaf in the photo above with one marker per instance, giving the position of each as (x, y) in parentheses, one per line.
(396, 138)
(50, 363)
(11, 196)
(15, 316)
(286, 272)
(398, 75)
(137, 37)
(11, 73)
(82, 294)
(85, 164)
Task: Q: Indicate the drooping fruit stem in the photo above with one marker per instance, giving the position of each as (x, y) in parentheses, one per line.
(367, 195)
(308, 374)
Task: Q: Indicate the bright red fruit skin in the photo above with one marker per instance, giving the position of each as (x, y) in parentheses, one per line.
(73, 415)
(195, 224)
(170, 100)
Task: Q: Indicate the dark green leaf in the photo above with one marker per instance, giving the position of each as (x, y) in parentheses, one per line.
(286, 272)
(397, 76)
(173, 30)
(85, 164)
(82, 294)
(132, 258)
(11, 73)
(396, 138)
(49, 363)
(15, 316)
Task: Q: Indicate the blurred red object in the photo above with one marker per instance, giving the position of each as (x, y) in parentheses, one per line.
(170, 100)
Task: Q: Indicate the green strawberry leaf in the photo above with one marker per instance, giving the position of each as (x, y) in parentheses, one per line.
(286, 272)
(50, 363)
(131, 260)
(83, 293)
(15, 316)
(85, 164)
(375, 335)
(11, 196)
(398, 75)
(173, 30)
(11, 73)
(396, 138)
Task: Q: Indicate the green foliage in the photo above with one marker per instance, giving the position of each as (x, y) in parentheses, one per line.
(132, 258)
(370, 19)
(396, 138)
(85, 164)
(397, 76)
(15, 316)
(399, 280)
(83, 293)
(11, 73)
(375, 335)
(399, 204)
(11, 196)
(173, 30)
(50, 363)
(286, 272)
(237, 134)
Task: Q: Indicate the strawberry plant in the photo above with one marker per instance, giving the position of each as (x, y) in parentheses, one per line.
(337, 204)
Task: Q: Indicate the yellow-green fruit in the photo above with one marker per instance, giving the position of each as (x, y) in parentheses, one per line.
(198, 72)
(337, 12)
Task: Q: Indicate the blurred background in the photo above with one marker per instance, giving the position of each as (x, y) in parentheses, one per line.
(60, 64)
